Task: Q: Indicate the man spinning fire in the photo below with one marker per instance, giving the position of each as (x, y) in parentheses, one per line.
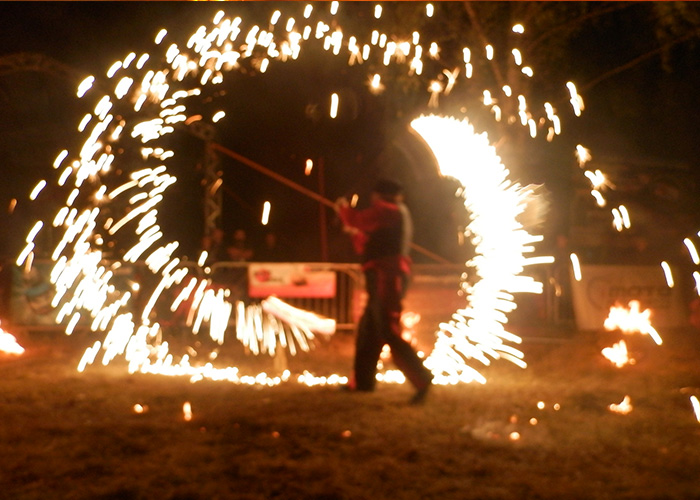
(382, 235)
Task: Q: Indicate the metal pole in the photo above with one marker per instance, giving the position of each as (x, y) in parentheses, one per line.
(322, 212)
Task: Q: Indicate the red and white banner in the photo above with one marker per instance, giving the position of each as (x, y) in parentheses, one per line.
(295, 280)
(602, 287)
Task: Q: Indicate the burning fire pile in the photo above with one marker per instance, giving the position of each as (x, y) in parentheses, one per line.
(632, 320)
(628, 320)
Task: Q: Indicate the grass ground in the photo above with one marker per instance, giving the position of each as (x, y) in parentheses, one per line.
(70, 435)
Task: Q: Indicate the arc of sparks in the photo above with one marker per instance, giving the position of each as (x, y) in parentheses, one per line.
(502, 245)
(157, 90)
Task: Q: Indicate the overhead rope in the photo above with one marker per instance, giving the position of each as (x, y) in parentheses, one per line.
(305, 191)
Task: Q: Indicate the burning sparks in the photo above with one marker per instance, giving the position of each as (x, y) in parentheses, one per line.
(576, 266)
(266, 214)
(692, 250)
(334, 106)
(621, 218)
(309, 167)
(696, 407)
(668, 274)
(501, 244)
(154, 92)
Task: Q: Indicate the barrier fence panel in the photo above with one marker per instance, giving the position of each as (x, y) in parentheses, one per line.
(329, 289)
(27, 294)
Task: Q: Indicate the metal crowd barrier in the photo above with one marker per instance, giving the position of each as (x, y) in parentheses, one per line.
(345, 307)
(25, 299)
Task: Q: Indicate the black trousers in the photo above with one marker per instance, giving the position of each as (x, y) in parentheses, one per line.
(380, 325)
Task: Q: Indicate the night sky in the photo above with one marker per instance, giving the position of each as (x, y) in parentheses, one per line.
(646, 114)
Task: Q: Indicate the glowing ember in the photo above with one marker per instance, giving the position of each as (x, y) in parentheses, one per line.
(9, 344)
(631, 320)
(138, 408)
(617, 354)
(187, 411)
(623, 408)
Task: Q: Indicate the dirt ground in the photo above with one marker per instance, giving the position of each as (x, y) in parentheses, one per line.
(545, 432)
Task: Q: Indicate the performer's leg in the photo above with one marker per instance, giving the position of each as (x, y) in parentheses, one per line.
(406, 359)
(369, 343)
(402, 353)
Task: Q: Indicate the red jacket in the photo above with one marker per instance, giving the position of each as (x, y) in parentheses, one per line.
(382, 234)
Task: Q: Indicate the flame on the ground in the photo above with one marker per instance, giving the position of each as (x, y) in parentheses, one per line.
(618, 355)
(623, 408)
(9, 344)
(632, 320)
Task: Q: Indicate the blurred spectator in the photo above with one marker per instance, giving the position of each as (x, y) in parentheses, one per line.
(270, 250)
(240, 250)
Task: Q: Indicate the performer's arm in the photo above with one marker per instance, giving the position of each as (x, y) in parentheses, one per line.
(366, 220)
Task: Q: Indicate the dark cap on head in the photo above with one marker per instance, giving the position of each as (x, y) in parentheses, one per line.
(387, 187)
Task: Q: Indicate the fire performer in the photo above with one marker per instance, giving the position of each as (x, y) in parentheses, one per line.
(382, 234)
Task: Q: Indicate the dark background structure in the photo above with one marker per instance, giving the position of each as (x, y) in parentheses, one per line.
(635, 63)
